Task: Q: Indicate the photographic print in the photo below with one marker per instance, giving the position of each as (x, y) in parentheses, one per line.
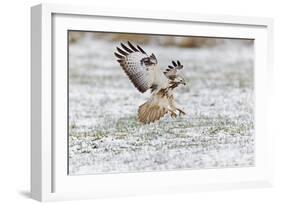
(147, 102)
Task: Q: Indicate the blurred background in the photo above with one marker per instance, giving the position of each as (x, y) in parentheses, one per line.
(184, 42)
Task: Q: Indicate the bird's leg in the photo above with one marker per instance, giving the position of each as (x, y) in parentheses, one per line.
(181, 112)
(173, 114)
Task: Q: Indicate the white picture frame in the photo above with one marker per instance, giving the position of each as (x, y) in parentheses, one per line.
(49, 179)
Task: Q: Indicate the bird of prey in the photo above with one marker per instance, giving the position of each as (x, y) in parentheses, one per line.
(144, 72)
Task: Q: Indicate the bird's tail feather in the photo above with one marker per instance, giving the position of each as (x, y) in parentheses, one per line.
(149, 112)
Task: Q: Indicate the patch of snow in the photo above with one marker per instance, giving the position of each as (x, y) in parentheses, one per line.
(217, 132)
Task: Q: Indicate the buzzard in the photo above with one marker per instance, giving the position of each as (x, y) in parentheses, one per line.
(144, 72)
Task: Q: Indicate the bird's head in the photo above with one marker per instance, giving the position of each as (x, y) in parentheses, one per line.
(180, 80)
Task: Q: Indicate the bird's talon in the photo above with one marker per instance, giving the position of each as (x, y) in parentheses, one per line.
(181, 112)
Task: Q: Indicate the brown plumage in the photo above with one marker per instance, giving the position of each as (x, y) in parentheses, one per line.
(154, 108)
(148, 113)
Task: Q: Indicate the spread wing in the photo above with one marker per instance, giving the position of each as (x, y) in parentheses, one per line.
(171, 72)
(139, 67)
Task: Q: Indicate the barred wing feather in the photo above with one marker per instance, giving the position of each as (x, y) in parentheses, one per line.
(133, 61)
(171, 72)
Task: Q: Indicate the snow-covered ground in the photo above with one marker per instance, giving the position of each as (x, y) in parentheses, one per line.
(218, 130)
